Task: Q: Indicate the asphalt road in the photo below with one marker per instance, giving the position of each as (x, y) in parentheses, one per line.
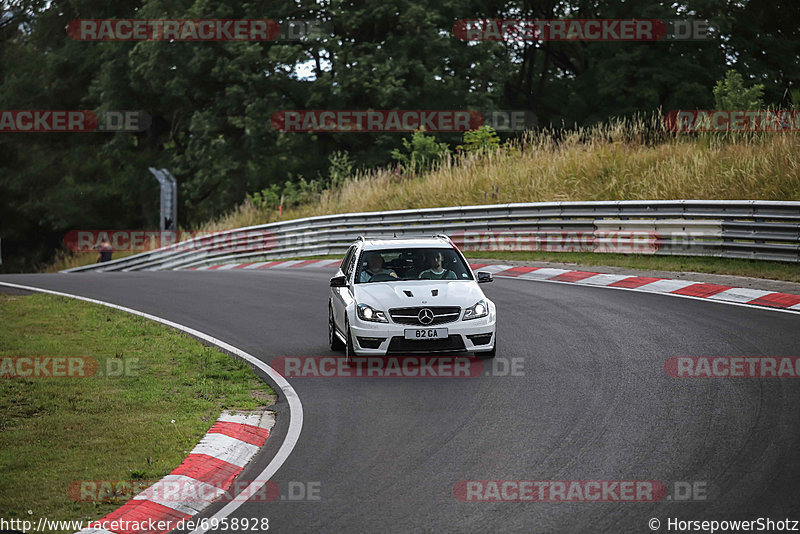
(593, 402)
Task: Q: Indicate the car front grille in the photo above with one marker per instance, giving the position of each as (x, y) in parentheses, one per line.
(410, 316)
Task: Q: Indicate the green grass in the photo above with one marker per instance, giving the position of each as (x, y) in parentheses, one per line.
(54, 431)
(739, 267)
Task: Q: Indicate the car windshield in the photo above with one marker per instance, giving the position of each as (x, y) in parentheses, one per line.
(391, 265)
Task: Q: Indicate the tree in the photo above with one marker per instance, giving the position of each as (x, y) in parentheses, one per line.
(578, 82)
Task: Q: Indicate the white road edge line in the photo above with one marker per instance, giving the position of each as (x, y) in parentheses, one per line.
(295, 406)
(701, 299)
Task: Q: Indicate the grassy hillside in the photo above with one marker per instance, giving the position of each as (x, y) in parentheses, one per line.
(620, 161)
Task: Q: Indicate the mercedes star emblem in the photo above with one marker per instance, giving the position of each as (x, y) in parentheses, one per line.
(425, 316)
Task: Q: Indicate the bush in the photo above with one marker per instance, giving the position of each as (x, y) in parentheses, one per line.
(421, 153)
(298, 191)
(340, 169)
(794, 94)
(267, 199)
(731, 94)
(291, 193)
(482, 140)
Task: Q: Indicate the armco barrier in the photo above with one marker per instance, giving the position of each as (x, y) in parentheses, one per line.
(732, 229)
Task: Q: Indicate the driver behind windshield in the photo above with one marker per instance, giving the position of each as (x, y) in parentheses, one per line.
(437, 272)
(374, 267)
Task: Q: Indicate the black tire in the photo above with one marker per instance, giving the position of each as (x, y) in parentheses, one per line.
(489, 355)
(333, 340)
(349, 349)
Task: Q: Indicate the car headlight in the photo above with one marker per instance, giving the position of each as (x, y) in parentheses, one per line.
(479, 309)
(368, 313)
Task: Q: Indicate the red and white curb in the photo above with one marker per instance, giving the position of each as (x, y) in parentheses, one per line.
(210, 469)
(284, 264)
(684, 288)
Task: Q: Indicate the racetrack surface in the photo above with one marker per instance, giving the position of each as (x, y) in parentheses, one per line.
(594, 403)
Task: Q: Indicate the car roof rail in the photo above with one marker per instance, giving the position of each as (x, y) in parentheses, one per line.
(420, 236)
(445, 237)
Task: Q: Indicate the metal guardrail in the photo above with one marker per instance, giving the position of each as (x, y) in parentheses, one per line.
(753, 229)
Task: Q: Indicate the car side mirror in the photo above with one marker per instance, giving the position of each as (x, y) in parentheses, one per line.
(339, 281)
(484, 276)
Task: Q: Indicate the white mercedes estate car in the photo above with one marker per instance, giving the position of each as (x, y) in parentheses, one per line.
(409, 296)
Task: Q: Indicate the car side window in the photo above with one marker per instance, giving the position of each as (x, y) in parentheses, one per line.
(346, 259)
(351, 262)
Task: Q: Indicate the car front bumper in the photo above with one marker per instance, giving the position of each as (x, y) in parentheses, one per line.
(378, 339)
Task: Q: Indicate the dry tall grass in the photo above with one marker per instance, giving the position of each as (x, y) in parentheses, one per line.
(623, 160)
(611, 162)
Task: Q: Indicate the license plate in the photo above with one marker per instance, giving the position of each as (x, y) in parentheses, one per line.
(423, 334)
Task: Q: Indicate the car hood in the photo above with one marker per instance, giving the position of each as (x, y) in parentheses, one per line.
(385, 295)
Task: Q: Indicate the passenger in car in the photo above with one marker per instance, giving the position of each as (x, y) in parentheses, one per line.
(437, 272)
